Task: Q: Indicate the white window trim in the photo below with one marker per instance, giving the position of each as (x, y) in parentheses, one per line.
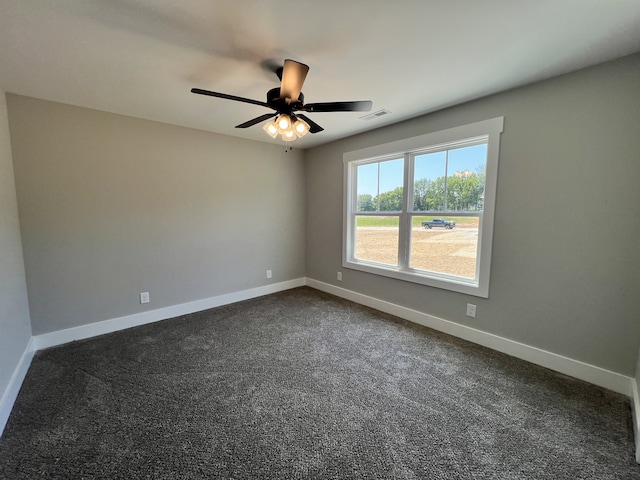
(491, 128)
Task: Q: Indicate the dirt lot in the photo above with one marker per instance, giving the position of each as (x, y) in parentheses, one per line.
(447, 251)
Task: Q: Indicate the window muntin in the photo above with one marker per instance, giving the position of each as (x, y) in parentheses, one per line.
(449, 175)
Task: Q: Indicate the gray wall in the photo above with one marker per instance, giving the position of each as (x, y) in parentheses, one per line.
(111, 206)
(15, 330)
(566, 259)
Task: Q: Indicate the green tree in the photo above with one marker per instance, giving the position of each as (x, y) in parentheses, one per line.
(464, 191)
(420, 189)
(390, 201)
(434, 198)
(365, 203)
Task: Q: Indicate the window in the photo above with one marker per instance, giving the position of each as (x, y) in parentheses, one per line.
(421, 209)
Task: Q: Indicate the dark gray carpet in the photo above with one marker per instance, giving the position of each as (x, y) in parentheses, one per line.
(301, 384)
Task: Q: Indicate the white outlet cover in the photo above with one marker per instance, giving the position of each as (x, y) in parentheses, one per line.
(471, 310)
(144, 297)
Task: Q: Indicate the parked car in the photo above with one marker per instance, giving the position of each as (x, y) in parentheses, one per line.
(439, 222)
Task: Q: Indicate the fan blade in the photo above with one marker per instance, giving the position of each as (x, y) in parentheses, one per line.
(293, 75)
(228, 97)
(272, 66)
(363, 106)
(256, 120)
(313, 126)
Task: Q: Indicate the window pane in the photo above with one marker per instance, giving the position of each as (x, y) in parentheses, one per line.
(465, 178)
(379, 186)
(441, 249)
(367, 176)
(377, 239)
(428, 186)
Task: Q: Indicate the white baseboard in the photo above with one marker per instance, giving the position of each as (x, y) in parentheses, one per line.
(574, 368)
(635, 412)
(13, 388)
(81, 332)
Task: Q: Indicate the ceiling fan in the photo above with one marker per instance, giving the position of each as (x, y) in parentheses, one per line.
(287, 100)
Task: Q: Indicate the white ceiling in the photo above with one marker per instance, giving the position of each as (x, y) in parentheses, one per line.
(141, 57)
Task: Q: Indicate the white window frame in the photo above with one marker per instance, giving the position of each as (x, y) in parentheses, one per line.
(475, 132)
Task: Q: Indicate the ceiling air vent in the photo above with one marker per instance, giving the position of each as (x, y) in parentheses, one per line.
(377, 114)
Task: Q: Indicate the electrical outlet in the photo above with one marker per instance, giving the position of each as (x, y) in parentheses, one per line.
(471, 310)
(144, 297)
(268, 273)
(339, 276)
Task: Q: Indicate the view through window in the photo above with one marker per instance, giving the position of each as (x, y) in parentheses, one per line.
(420, 214)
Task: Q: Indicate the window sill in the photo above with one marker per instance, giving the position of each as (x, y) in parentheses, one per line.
(445, 282)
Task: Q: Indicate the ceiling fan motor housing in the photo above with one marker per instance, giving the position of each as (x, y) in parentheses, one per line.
(281, 105)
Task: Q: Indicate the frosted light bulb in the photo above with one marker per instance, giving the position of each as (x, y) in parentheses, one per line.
(284, 122)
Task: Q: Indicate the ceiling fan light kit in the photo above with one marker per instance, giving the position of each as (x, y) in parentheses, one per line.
(271, 128)
(288, 99)
(289, 129)
(300, 127)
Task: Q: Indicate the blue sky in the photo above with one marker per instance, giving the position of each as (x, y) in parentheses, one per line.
(430, 166)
